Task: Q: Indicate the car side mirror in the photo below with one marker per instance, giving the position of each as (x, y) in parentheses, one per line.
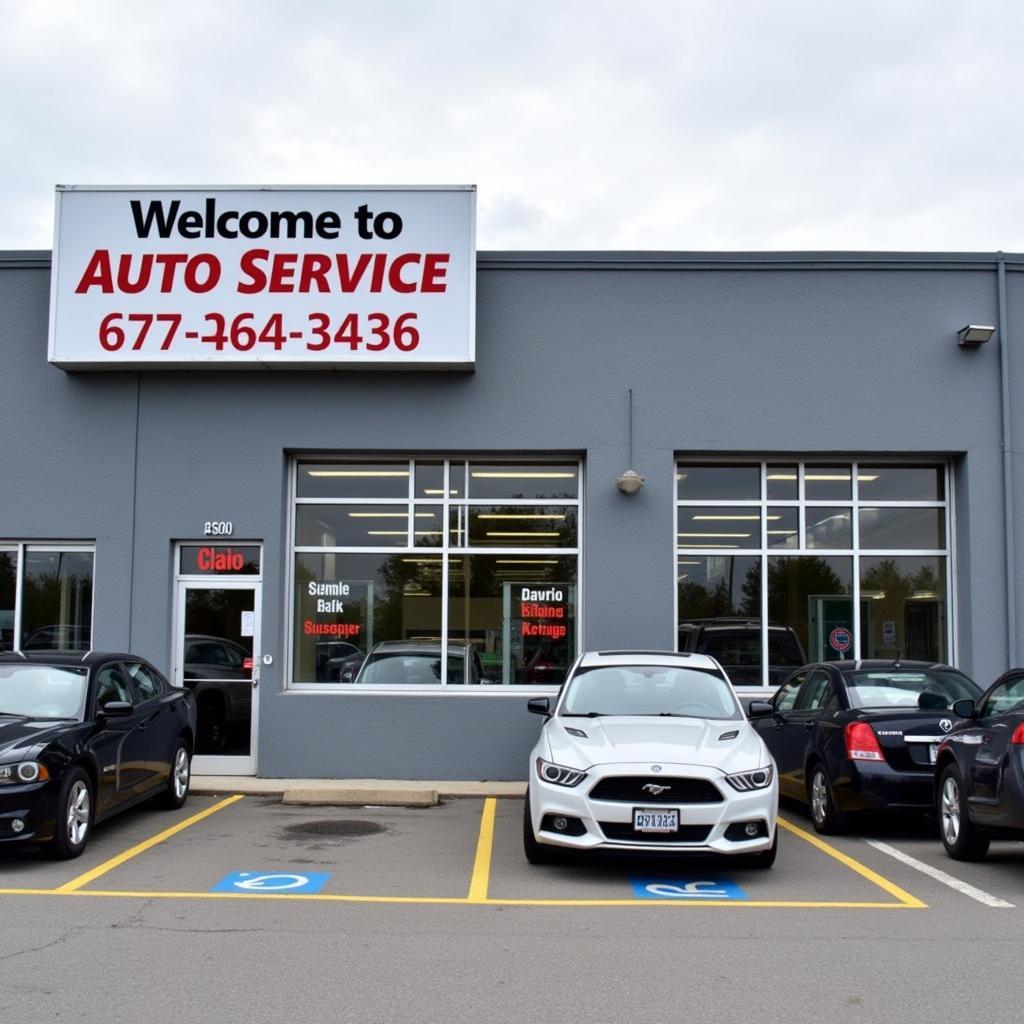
(539, 705)
(116, 709)
(760, 709)
(964, 708)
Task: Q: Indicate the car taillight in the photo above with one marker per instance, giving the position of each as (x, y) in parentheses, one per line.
(1018, 735)
(862, 743)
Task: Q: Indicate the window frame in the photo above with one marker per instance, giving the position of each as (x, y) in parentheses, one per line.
(20, 549)
(805, 463)
(456, 468)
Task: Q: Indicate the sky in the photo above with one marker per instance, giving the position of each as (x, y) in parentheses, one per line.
(640, 124)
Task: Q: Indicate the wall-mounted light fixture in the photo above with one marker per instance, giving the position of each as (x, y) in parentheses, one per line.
(974, 335)
(630, 481)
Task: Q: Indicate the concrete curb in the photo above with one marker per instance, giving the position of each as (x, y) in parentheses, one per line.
(354, 792)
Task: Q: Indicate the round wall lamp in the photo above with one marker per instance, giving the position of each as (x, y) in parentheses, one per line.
(630, 482)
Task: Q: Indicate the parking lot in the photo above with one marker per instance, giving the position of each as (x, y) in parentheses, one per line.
(404, 914)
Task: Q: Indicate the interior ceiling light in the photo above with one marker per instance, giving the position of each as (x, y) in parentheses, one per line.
(502, 515)
(521, 533)
(359, 472)
(488, 475)
(526, 561)
(389, 515)
(712, 534)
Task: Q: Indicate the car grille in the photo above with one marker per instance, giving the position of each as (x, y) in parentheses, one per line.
(624, 832)
(629, 789)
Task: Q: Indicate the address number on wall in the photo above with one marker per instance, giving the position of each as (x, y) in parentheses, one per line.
(218, 528)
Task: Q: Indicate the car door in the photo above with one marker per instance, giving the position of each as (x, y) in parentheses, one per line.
(159, 721)
(119, 742)
(997, 718)
(772, 730)
(804, 722)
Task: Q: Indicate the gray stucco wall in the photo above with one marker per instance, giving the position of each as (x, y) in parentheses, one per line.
(820, 353)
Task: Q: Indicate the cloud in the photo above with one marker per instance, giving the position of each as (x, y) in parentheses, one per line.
(649, 125)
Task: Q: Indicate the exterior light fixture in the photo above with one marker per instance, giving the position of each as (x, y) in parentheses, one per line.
(974, 335)
(630, 481)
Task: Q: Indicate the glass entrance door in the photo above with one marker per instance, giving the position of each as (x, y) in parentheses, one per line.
(217, 657)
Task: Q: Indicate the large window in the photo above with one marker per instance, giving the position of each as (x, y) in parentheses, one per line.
(785, 562)
(45, 597)
(434, 572)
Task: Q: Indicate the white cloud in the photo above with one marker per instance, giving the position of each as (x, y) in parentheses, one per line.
(648, 125)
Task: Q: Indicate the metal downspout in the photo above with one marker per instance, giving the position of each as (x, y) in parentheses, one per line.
(1008, 494)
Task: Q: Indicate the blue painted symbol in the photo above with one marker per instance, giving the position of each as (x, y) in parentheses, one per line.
(682, 890)
(272, 881)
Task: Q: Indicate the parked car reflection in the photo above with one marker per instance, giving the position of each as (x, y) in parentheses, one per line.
(218, 671)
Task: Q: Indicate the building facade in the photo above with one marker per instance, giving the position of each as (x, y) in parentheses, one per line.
(827, 474)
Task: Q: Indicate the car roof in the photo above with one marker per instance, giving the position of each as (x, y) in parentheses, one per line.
(415, 647)
(591, 659)
(887, 664)
(64, 657)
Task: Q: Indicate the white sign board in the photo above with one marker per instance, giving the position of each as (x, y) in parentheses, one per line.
(264, 278)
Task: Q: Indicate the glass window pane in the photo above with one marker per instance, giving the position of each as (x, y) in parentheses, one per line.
(903, 607)
(341, 526)
(524, 480)
(516, 526)
(720, 612)
(902, 528)
(8, 591)
(783, 483)
(810, 605)
(829, 527)
(347, 603)
(698, 482)
(57, 601)
(828, 483)
(710, 526)
(901, 483)
(352, 480)
(518, 613)
(783, 527)
(429, 480)
(428, 526)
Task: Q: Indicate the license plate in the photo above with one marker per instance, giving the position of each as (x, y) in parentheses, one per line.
(933, 752)
(648, 819)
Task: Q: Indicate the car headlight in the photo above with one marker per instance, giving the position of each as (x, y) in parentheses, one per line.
(24, 771)
(558, 774)
(746, 781)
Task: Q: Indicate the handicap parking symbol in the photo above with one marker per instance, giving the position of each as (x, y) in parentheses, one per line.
(686, 889)
(272, 881)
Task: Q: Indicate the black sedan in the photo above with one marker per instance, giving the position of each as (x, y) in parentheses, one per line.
(979, 773)
(83, 737)
(850, 736)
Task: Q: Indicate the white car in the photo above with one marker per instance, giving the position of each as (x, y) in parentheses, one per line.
(648, 752)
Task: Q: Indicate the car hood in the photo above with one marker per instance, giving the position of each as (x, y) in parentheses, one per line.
(625, 739)
(17, 735)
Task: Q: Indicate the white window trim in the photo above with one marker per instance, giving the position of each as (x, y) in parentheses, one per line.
(855, 553)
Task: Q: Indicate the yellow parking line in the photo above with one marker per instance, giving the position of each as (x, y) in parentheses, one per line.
(480, 881)
(863, 870)
(108, 865)
(466, 902)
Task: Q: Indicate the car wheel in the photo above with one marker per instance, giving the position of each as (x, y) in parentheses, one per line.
(536, 853)
(764, 859)
(176, 792)
(211, 727)
(74, 815)
(960, 836)
(826, 817)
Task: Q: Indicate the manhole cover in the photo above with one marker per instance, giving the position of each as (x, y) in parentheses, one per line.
(344, 829)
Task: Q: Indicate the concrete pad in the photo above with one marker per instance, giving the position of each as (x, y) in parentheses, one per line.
(210, 785)
(362, 796)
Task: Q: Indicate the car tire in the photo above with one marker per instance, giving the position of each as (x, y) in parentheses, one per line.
(74, 816)
(825, 816)
(960, 836)
(211, 728)
(176, 791)
(764, 859)
(536, 853)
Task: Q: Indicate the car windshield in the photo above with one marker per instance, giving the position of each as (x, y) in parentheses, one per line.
(409, 667)
(650, 690)
(936, 689)
(42, 691)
